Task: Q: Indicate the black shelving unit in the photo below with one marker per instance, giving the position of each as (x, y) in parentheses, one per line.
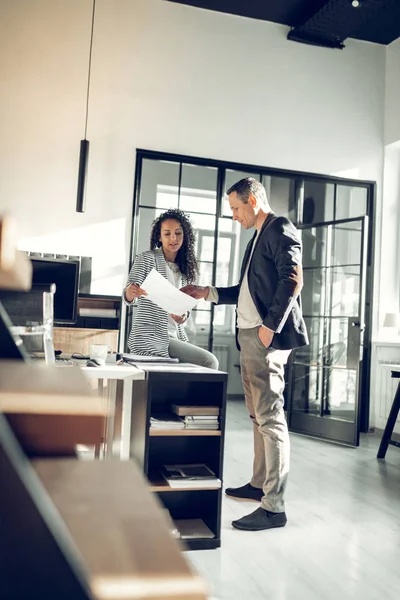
(154, 448)
(99, 303)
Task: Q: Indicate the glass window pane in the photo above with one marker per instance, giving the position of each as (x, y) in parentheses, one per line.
(198, 189)
(219, 317)
(318, 202)
(206, 222)
(201, 323)
(229, 256)
(313, 294)
(346, 243)
(341, 393)
(143, 225)
(159, 184)
(281, 194)
(228, 224)
(345, 299)
(333, 389)
(224, 318)
(351, 202)
(205, 273)
(228, 263)
(202, 319)
(307, 389)
(309, 355)
(329, 342)
(205, 248)
(314, 240)
(224, 260)
(333, 291)
(220, 313)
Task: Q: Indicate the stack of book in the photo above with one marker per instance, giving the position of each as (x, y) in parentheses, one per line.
(197, 422)
(198, 417)
(166, 422)
(190, 476)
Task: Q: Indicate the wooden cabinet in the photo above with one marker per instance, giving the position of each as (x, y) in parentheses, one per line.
(180, 384)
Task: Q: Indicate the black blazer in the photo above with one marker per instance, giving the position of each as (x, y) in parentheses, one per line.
(275, 279)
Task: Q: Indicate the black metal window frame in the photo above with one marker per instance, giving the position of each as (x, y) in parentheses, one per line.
(299, 177)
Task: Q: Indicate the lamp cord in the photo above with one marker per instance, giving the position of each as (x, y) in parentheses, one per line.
(90, 66)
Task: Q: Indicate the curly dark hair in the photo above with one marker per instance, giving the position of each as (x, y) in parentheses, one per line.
(186, 257)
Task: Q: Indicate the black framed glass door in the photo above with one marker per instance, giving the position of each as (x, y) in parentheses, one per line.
(313, 202)
(324, 386)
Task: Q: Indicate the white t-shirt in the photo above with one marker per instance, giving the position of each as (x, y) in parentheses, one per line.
(175, 278)
(248, 316)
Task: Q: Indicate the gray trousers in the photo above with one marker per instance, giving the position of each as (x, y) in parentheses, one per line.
(263, 380)
(190, 353)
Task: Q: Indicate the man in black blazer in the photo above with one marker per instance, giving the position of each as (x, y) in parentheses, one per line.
(269, 324)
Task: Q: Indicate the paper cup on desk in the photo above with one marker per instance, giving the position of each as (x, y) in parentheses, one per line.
(99, 352)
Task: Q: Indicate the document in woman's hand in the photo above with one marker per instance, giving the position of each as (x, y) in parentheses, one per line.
(165, 295)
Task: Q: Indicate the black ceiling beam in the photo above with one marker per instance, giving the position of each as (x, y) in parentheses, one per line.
(335, 21)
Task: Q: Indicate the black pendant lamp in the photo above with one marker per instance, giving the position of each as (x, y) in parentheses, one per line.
(84, 148)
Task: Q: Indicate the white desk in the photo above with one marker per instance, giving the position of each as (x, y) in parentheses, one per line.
(112, 374)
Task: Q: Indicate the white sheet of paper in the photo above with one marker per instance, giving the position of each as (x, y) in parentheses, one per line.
(165, 295)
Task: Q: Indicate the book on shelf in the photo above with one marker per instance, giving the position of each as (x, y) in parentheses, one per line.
(105, 313)
(196, 419)
(167, 421)
(193, 484)
(190, 476)
(190, 529)
(184, 410)
(170, 421)
(200, 422)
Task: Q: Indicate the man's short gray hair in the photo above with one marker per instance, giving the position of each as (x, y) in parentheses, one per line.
(247, 186)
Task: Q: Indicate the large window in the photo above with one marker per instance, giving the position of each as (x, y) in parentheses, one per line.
(198, 186)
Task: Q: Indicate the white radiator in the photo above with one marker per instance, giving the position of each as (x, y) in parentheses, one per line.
(221, 351)
(387, 358)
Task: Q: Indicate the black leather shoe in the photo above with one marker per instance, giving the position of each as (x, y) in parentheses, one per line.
(246, 492)
(261, 519)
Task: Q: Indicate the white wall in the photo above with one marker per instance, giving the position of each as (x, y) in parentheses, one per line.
(165, 77)
(44, 48)
(389, 300)
(390, 247)
(172, 78)
(392, 97)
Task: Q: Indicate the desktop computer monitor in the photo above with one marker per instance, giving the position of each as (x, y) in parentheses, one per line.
(65, 275)
(26, 308)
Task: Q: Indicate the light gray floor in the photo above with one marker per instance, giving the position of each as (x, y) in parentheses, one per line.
(342, 540)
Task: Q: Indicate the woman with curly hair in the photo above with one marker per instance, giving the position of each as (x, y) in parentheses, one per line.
(172, 253)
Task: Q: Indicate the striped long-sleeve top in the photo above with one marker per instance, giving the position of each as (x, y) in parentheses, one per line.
(149, 333)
